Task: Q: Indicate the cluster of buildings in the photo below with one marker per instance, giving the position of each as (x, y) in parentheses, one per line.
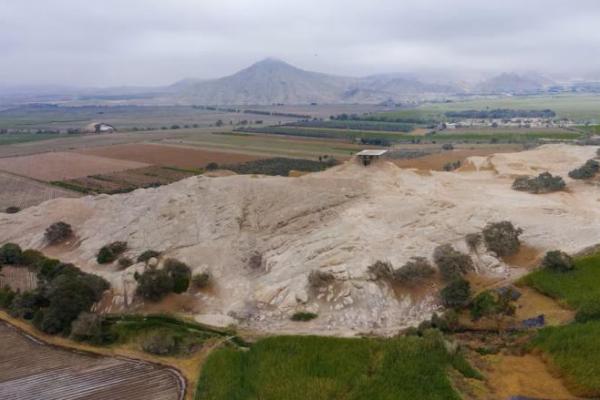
(508, 123)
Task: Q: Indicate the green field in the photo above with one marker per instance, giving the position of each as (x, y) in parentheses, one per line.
(14, 138)
(577, 107)
(574, 289)
(315, 368)
(575, 348)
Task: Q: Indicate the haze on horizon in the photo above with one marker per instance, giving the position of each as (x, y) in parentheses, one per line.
(153, 42)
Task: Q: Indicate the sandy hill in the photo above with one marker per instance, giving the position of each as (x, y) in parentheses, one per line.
(340, 220)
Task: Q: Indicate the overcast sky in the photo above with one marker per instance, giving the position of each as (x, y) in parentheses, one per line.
(155, 42)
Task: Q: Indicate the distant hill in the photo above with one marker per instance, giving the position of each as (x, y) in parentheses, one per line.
(514, 83)
(274, 81)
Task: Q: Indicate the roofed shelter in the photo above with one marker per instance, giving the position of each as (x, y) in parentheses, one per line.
(366, 157)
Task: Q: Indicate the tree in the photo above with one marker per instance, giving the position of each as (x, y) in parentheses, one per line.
(10, 253)
(415, 271)
(58, 232)
(201, 280)
(154, 284)
(111, 252)
(212, 166)
(502, 238)
(558, 261)
(456, 294)
(586, 171)
(219, 123)
(180, 274)
(452, 263)
(147, 255)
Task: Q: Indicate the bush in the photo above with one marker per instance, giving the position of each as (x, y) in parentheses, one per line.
(32, 258)
(160, 343)
(25, 305)
(58, 232)
(452, 263)
(447, 322)
(11, 253)
(586, 171)
(558, 261)
(7, 296)
(317, 279)
(255, 261)
(303, 316)
(87, 328)
(457, 294)
(473, 240)
(483, 305)
(381, 270)
(125, 262)
(154, 284)
(201, 280)
(147, 255)
(180, 274)
(212, 166)
(110, 252)
(543, 183)
(502, 238)
(12, 210)
(588, 311)
(416, 270)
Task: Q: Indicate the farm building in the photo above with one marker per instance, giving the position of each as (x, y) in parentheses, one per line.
(98, 127)
(366, 157)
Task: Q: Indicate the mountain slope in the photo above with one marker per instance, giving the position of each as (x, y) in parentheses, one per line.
(513, 83)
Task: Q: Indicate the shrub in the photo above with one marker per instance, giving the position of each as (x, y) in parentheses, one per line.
(212, 166)
(447, 322)
(483, 305)
(502, 238)
(32, 258)
(456, 294)
(12, 210)
(87, 328)
(317, 279)
(447, 146)
(180, 274)
(125, 262)
(473, 240)
(303, 316)
(255, 261)
(416, 270)
(11, 253)
(160, 343)
(586, 171)
(588, 311)
(452, 263)
(558, 261)
(147, 255)
(201, 280)
(543, 183)
(58, 232)
(110, 252)
(451, 166)
(7, 296)
(25, 305)
(381, 270)
(154, 284)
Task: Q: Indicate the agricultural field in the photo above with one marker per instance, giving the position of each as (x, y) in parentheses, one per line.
(16, 191)
(577, 107)
(573, 349)
(18, 278)
(58, 166)
(168, 155)
(32, 370)
(328, 368)
(126, 181)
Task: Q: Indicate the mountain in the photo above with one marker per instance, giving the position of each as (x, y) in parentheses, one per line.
(274, 81)
(514, 83)
(267, 82)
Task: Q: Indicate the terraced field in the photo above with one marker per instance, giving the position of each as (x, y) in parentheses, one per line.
(32, 371)
(16, 191)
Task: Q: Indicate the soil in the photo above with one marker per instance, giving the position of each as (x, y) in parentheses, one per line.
(17, 191)
(63, 166)
(165, 155)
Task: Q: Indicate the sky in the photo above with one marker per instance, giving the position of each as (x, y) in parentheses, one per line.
(157, 42)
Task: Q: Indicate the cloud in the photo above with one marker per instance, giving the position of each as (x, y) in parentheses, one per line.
(152, 42)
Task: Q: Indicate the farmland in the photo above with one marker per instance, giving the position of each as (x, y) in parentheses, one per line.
(16, 191)
(33, 371)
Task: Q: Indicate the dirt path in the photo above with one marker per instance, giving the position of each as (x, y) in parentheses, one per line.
(526, 376)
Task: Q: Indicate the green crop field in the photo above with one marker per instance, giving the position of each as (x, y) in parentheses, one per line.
(13, 138)
(315, 368)
(578, 107)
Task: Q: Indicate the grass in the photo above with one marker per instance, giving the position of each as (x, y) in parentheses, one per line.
(574, 289)
(310, 367)
(13, 138)
(574, 349)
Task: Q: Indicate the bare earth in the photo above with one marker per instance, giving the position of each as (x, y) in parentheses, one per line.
(175, 156)
(63, 165)
(32, 371)
(340, 220)
(22, 192)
